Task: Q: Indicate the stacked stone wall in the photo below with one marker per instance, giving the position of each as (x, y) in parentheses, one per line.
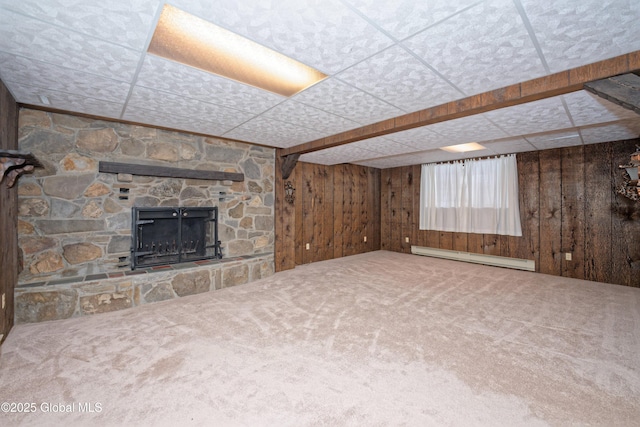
(75, 221)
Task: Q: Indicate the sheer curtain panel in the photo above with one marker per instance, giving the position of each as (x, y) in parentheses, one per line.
(471, 196)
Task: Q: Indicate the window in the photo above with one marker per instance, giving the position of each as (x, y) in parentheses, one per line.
(471, 196)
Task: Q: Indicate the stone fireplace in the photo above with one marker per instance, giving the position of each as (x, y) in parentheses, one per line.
(75, 222)
(162, 236)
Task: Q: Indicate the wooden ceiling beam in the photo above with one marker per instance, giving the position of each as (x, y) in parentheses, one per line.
(544, 87)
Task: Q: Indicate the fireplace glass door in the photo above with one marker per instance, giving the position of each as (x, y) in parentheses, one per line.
(163, 236)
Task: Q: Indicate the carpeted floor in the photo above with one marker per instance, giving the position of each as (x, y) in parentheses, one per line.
(376, 339)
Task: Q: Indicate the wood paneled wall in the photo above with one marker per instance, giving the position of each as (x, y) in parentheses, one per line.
(568, 204)
(334, 209)
(8, 214)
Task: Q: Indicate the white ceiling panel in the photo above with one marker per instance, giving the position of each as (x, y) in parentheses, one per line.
(466, 129)
(586, 108)
(400, 79)
(538, 116)
(125, 23)
(174, 121)
(303, 115)
(347, 101)
(556, 139)
(569, 31)
(403, 18)
(509, 146)
(610, 132)
(47, 78)
(35, 39)
(274, 132)
(168, 76)
(68, 101)
(483, 48)
(383, 59)
(169, 103)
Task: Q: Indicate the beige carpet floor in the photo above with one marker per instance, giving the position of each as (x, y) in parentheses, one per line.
(378, 339)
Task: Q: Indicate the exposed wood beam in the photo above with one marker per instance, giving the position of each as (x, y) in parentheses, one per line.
(623, 90)
(288, 164)
(163, 171)
(520, 93)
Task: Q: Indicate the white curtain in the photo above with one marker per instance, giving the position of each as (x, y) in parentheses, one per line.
(471, 196)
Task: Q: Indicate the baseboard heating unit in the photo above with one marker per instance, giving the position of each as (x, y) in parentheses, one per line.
(497, 261)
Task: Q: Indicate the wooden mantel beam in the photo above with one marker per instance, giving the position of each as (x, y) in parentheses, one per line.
(520, 93)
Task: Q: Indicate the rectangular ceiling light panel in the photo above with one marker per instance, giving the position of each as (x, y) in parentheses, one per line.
(463, 148)
(192, 41)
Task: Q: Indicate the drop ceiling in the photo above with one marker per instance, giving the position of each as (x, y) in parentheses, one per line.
(384, 58)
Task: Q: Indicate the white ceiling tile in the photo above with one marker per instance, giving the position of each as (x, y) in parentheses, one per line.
(383, 145)
(555, 139)
(346, 101)
(586, 108)
(172, 104)
(538, 116)
(509, 146)
(273, 132)
(23, 71)
(483, 48)
(316, 157)
(573, 33)
(155, 118)
(421, 138)
(400, 79)
(324, 34)
(402, 18)
(168, 76)
(126, 23)
(67, 101)
(303, 115)
(44, 42)
(466, 129)
(264, 138)
(628, 129)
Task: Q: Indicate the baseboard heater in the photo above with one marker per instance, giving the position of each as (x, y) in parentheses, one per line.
(497, 261)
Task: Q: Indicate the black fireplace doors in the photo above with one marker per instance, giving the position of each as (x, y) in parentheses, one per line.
(173, 235)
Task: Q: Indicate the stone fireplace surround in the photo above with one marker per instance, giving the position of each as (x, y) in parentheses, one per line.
(75, 223)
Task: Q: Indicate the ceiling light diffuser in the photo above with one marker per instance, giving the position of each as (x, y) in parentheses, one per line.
(184, 38)
(463, 148)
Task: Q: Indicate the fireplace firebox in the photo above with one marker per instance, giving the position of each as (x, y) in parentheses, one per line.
(173, 235)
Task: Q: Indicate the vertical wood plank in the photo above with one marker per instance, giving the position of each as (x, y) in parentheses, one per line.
(284, 227)
(572, 239)
(327, 212)
(528, 246)
(338, 201)
(374, 194)
(9, 263)
(348, 218)
(598, 202)
(446, 240)
(407, 208)
(475, 243)
(308, 205)
(364, 212)
(491, 244)
(395, 201)
(297, 179)
(625, 226)
(461, 242)
(550, 211)
(385, 209)
(420, 236)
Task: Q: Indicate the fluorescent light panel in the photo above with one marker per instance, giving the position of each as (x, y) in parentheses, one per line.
(463, 148)
(192, 41)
